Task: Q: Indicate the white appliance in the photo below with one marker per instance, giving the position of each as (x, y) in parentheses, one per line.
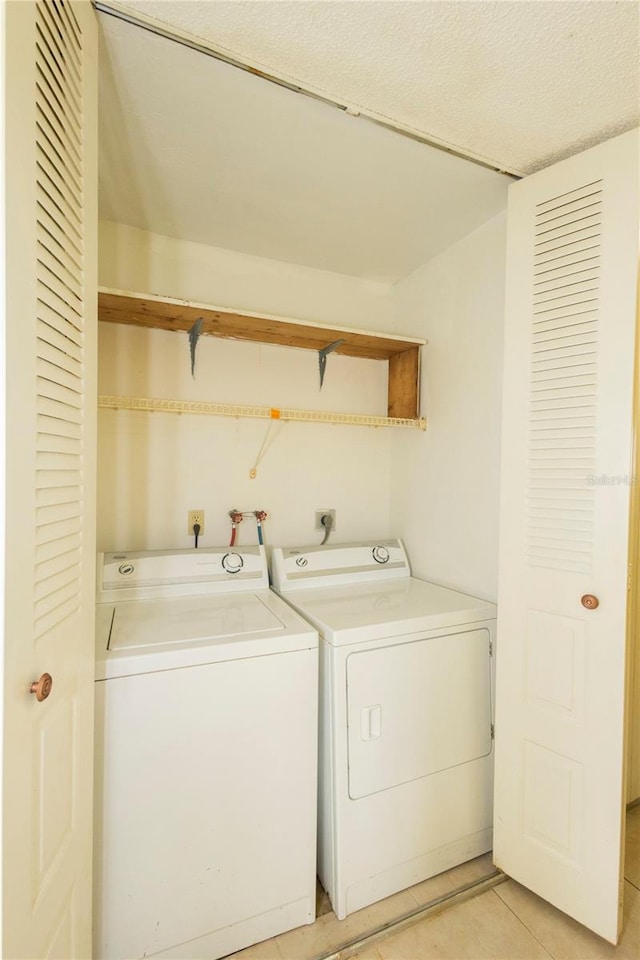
(406, 728)
(206, 719)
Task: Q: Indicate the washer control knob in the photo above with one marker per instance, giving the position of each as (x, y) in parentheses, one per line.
(380, 554)
(301, 562)
(232, 562)
(126, 569)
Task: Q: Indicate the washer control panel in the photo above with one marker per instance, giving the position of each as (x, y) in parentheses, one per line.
(154, 573)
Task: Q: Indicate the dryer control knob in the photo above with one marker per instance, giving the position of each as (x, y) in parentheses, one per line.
(380, 554)
(232, 562)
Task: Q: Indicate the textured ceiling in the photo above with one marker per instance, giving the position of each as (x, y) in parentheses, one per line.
(518, 83)
(194, 148)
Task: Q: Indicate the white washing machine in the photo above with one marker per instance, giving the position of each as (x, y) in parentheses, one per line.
(406, 708)
(206, 756)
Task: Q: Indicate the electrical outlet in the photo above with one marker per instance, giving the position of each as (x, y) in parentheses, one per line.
(193, 517)
(320, 514)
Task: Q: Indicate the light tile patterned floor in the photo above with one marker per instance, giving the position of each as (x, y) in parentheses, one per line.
(632, 852)
(506, 923)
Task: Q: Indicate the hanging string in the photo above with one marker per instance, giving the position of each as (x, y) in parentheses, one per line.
(266, 443)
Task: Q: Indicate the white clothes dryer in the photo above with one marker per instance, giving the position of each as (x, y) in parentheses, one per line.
(406, 717)
(206, 756)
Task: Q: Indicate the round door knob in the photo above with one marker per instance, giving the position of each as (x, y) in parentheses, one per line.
(589, 601)
(42, 687)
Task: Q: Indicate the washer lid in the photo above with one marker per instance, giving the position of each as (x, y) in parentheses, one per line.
(142, 636)
(139, 625)
(367, 611)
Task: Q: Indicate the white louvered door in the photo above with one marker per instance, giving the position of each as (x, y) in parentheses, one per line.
(51, 240)
(568, 390)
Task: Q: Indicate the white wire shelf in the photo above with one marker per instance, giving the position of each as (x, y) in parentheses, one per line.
(157, 405)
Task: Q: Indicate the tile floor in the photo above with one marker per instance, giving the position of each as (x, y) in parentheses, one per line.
(505, 923)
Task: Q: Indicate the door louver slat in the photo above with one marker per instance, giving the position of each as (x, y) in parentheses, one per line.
(550, 340)
(55, 265)
(58, 547)
(563, 256)
(61, 57)
(568, 269)
(51, 92)
(52, 226)
(593, 189)
(58, 351)
(564, 279)
(56, 247)
(71, 318)
(559, 401)
(64, 561)
(63, 30)
(563, 380)
(60, 148)
(50, 532)
(57, 513)
(55, 427)
(60, 309)
(59, 411)
(580, 211)
(586, 228)
(57, 320)
(57, 495)
(44, 624)
(51, 390)
(51, 589)
(65, 138)
(552, 299)
(62, 202)
(52, 353)
(55, 373)
(559, 319)
(57, 170)
(50, 479)
(65, 105)
(74, 34)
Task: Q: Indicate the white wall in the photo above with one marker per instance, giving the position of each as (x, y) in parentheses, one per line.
(445, 482)
(132, 259)
(153, 468)
(438, 490)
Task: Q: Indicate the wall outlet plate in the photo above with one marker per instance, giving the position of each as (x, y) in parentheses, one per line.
(193, 517)
(320, 514)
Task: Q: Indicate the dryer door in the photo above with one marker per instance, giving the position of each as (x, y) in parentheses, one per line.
(416, 708)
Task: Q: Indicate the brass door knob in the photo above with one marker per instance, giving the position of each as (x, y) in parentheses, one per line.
(589, 601)
(42, 687)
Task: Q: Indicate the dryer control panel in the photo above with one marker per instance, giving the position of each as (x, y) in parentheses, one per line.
(295, 568)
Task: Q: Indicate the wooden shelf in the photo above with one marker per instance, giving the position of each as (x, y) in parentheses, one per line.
(164, 313)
